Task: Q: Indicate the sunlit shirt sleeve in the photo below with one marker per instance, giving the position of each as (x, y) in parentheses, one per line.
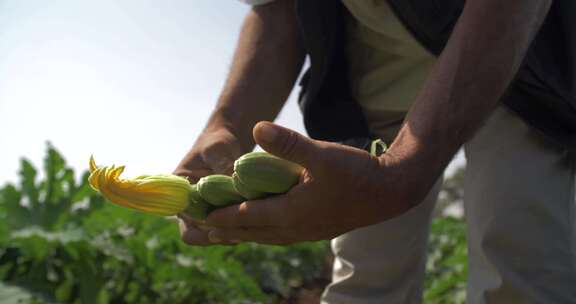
(256, 2)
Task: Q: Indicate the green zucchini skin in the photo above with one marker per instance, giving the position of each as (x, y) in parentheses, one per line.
(198, 208)
(266, 173)
(218, 190)
(246, 191)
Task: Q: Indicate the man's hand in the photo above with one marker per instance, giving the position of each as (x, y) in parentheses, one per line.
(342, 188)
(213, 153)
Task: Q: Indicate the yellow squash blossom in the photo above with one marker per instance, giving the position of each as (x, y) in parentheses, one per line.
(162, 194)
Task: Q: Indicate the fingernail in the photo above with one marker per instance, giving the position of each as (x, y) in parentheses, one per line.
(267, 132)
(213, 238)
(206, 227)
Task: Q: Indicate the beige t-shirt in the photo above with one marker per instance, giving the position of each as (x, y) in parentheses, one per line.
(387, 65)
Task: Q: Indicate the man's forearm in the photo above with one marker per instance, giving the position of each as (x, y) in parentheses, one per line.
(477, 65)
(266, 64)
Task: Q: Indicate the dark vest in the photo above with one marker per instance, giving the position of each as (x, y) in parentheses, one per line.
(543, 92)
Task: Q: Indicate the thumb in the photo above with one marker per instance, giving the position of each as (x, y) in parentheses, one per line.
(286, 143)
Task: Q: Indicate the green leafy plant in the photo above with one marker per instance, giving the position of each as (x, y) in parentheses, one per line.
(447, 262)
(60, 242)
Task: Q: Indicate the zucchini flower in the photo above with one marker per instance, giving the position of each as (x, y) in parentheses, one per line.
(162, 194)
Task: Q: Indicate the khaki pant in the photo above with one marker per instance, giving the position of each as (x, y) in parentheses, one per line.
(520, 211)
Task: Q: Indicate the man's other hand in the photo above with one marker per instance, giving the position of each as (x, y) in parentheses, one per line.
(341, 188)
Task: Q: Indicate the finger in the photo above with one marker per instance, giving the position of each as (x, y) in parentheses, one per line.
(194, 223)
(256, 213)
(220, 158)
(197, 237)
(193, 236)
(198, 225)
(220, 165)
(193, 175)
(287, 144)
(189, 220)
(264, 235)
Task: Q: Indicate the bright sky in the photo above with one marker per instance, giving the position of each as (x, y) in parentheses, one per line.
(130, 81)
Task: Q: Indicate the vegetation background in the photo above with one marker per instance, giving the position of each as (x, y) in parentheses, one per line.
(60, 242)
